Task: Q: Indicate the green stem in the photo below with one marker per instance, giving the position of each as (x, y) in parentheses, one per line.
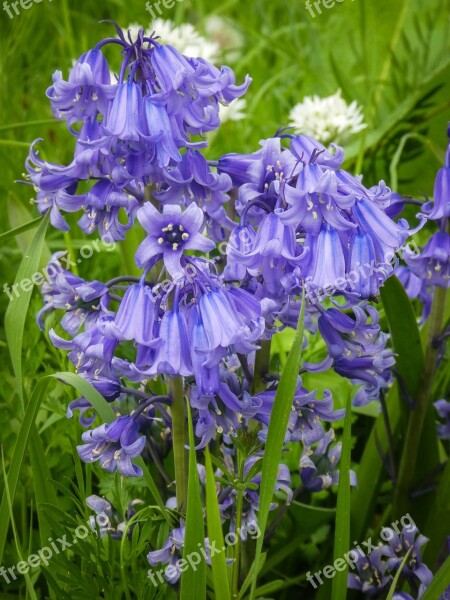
(180, 440)
(418, 414)
(69, 246)
(239, 508)
(262, 366)
(28, 124)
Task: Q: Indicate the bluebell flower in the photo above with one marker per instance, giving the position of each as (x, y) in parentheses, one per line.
(108, 386)
(114, 445)
(125, 115)
(87, 90)
(433, 263)
(373, 576)
(414, 571)
(357, 350)
(169, 554)
(137, 315)
(332, 224)
(159, 131)
(228, 323)
(83, 301)
(173, 354)
(415, 287)
(227, 493)
(193, 180)
(169, 234)
(318, 466)
(108, 520)
(440, 207)
(307, 414)
(443, 410)
(325, 262)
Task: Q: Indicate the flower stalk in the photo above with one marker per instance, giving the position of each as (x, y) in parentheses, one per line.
(180, 440)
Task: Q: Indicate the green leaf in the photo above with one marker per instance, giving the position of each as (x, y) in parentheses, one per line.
(439, 513)
(397, 576)
(275, 435)
(20, 229)
(28, 582)
(439, 583)
(252, 575)
(405, 333)
(409, 363)
(342, 531)
(215, 534)
(193, 580)
(18, 455)
(44, 492)
(18, 307)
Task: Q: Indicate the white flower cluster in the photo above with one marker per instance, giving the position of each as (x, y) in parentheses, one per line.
(328, 119)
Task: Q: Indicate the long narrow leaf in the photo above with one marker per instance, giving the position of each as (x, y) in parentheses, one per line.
(18, 307)
(439, 583)
(18, 455)
(397, 576)
(409, 364)
(215, 534)
(276, 433)
(193, 579)
(25, 227)
(342, 531)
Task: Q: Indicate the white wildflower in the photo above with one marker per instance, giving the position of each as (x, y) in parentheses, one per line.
(185, 38)
(328, 119)
(222, 32)
(234, 111)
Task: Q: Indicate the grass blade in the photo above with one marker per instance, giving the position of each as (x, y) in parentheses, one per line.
(409, 364)
(18, 455)
(17, 230)
(275, 435)
(193, 582)
(17, 310)
(342, 531)
(397, 576)
(439, 583)
(215, 534)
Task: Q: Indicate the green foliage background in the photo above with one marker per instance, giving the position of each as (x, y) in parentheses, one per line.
(392, 56)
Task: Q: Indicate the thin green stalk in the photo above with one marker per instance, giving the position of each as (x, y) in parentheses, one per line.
(262, 366)
(417, 416)
(180, 440)
(28, 124)
(69, 246)
(239, 508)
(17, 143)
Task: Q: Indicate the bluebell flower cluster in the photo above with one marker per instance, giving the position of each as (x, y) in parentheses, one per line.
(357, 349)
(292, 221)
(132, 133)
(376, 571)
(304, 219)
(107, 520)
